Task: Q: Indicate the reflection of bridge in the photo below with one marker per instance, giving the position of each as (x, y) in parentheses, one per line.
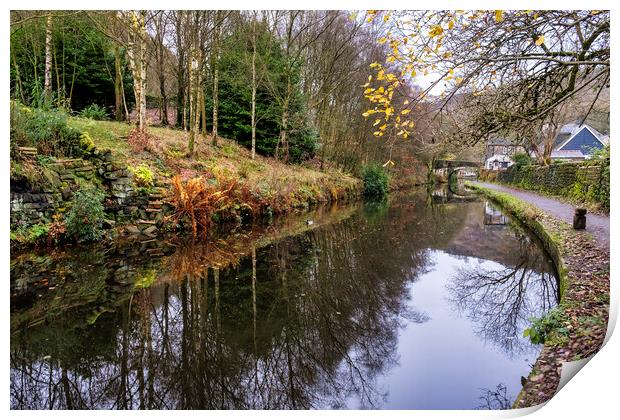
(448, 168)
(444, 197)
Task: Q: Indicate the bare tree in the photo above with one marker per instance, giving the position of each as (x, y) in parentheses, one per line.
(507, 68)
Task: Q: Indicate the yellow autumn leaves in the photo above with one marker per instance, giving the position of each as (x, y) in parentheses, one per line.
(420, 49)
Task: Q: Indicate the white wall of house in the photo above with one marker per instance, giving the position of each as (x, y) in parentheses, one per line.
(498, 162)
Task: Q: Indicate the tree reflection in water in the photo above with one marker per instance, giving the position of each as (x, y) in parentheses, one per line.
(496, 399)
(306, 321)
(500, 299)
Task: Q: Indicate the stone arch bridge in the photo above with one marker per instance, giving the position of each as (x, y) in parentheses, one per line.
(455, 165)
(449, 167)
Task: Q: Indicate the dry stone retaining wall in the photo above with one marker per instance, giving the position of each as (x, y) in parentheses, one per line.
(124, 203)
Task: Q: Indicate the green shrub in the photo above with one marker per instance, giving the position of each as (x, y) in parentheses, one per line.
(522, 159)
(94, 112)
(86, 143)
(543, 327)
(30, 235)
(376, 180)
(142, 175)
(36, 232)
(45, 129)
(85, 218)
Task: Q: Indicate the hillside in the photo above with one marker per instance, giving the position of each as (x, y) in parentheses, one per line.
(165, 154)
(76, 178)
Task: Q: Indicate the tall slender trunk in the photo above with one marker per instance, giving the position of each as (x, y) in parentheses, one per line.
(203, 112)
(180, 120)
(215, 103)
(164, 102)
(72, 78)
(216, 74)
(48, 59)
(142, 121)
(118, 87)
(197, 105)
(283, 130)
(136, 52)
(19, 85)
(58, 85)
(253, 87)
(190, 94)
(162, 87)
(180, 92)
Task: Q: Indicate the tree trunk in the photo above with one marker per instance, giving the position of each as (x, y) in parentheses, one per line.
(203, 112)
(136, 52)
(283, 131)
(47, 91)
(215, 103)
(118, 85)
(58, 85)
(180, 93)
(253, 87)
(18, 80)
(164, 99)
(190, 94)
(198, 94)
(181, 103)
(142, 121)
(214, 65)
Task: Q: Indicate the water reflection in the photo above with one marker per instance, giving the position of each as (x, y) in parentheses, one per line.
(493, 215)
(272, 318)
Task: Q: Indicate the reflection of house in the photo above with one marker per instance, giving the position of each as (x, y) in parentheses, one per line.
(577, 142)
(499, 153)
(493, 216)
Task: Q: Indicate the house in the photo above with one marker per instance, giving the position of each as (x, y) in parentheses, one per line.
(499, 152)
(577, 142)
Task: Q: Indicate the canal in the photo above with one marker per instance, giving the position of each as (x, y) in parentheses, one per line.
(418, 302)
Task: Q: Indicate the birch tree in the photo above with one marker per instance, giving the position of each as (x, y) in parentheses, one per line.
(47, 90)
(136, 52)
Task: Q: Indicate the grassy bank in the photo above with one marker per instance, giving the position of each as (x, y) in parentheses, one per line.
(577, 327)
(165, 154)
(217, 185)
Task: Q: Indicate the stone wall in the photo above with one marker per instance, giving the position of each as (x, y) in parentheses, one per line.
(586, 181)
(124, 202)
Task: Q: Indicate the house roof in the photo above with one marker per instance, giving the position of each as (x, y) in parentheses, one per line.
(584, 139)
(569, 130)
(567, 154)
(499, 158)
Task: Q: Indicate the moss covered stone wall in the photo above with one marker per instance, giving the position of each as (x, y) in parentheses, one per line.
(586, 181)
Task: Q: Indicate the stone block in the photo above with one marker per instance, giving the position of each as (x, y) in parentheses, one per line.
(150, 231)
(132, 230)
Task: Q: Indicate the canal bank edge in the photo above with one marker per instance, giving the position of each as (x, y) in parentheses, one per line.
(578, 326)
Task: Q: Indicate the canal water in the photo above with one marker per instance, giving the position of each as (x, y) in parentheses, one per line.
(418, 302)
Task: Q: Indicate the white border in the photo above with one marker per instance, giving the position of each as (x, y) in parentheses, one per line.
(592, 394)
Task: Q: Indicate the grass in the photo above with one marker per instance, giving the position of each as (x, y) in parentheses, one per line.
(284, 186)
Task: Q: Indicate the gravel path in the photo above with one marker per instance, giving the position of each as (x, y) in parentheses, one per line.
(597, 225)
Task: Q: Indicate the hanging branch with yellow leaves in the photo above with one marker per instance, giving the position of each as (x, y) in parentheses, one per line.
(490, 70)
